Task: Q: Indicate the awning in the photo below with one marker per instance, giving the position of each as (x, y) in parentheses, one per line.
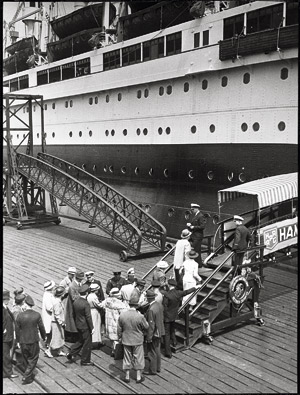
(268, 190)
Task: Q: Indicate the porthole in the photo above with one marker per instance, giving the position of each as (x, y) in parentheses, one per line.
(137, 170)
(168, 130)
(210, 175)
(37, 135)
(145, 131)
(66, 104)
(166, 173)
(186, 87)
(105, 169)
(242, 177)
(46, 107)
(33, 109)
(107, 98)
(191, 174)
(90, 133)
(146, 92)
(139, 94)
(19, 136)
(83, 166)
(147, 208)
(80, 133)
(125, 132)
(204, 84)
(284, 73)
(281, 126)
(171, 212)
(212, 128)
(70, 134)
(90, 100)
(224, 81)
(71, 103)
(123, 170)
(246, 78)
(160, 130)
(96, 99)
(244, 127)
(138, 131)
(94, 168)
(151, 172)
(119, 96)
(53, 134)
(193, 129)
(106, 132)
(169, 89)
(53, 106)
(111, 169)
(216, 219)
(255, 126)
(161, 91)
(187, 215)
(112, 132)
(230, 176)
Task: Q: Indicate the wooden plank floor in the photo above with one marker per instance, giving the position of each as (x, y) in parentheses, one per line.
(248, 359)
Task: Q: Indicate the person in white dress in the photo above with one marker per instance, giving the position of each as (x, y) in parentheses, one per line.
(191, 276)
(95, 305)
(47, 309)
(183, 246)
(58, 323)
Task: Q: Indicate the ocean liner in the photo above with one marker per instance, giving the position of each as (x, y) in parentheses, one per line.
(167, 101)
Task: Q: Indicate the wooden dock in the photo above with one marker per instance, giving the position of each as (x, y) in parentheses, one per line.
(244, 359)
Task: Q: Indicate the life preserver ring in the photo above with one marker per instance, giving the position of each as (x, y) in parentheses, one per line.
(239, 290)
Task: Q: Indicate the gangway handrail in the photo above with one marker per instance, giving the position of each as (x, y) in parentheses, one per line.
(150, 225)
(40, 164)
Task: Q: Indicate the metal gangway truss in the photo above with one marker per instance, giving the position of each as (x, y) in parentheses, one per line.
(94, 200)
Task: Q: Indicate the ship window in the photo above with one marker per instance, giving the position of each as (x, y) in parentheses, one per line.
(292, 13)
(284, 73)
(80, 133)
(193, 129)
(146, 92)
(119, 96)
(106, 132)
(111, 60)
(53, 134)
(168, 130)
(70, 134)
(242, 177)
(37, 135)
(53, 106)
(107, 98)
(244, 127)
(191, 174)
(204, 84)
(230, 176)
(90, 133)
(54, 74)
(153, 49)
(18, 136)
(255, 126)
(68, 71)
(166, 173)
(151, 172)
(139, 94)
(246, 78)
(224, 81)
(186, 87)
(125, 132)
(169, 89)
(161, 90)
(24, 82)
(123, 170)
(138, 131)
(281, 126)
(171, 212)
(210, 175)
(111, 169)
(96, 99)
(233, 26)
(14, 85)
(196, 40)
(112, 132)
(131, 55)
(45, 107)
(264, 18)
(145, 131)
(90, 100)
(66, 104)
(173, 43)
(34, 108)
(212, 128)
(205, 38)
(71, 103)
(160, 130)
(136, 170)
(42, 77)
(82, 67)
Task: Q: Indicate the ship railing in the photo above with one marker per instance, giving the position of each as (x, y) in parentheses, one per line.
(82, 199)
(152, 230)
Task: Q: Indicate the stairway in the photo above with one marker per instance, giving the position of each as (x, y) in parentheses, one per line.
(101, 205)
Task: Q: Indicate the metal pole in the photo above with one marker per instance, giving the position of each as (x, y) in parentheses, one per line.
(187, 325)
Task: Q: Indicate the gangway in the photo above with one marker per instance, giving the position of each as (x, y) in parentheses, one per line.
(132, 232)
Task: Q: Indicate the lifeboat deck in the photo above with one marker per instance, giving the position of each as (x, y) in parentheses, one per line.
(248, 359)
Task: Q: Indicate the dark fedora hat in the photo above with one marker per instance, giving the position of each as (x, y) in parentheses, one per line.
(155, 283)
(59, 291)
(83, 289)
(173, 282)
(192, 254)
(29, 300)
(150, 294)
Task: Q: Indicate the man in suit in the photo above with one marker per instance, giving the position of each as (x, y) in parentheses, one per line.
(69, 310)
(242, 237)
(155, 319)
(115, 282)
(171, 303)
(85, 328)
(28, 325)
(196, 226)
(8, 327)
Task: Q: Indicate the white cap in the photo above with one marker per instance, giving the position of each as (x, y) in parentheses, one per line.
(72, 270)
(89, 273)
(130, 271)
(238, 218)
(49, 285)
(195, 205)
(162, 265)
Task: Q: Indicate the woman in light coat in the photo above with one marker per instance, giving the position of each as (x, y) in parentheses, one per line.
(95, 305)
(47, 308)
(58, 323)
(191, 276)
(113, 307)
